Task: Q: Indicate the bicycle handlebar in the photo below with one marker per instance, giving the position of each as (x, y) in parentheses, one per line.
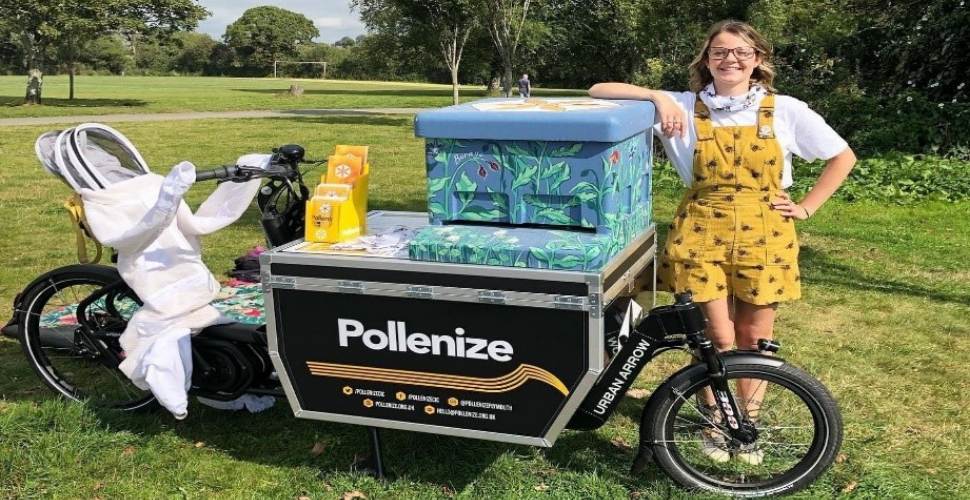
(243, 173)
(218, 173)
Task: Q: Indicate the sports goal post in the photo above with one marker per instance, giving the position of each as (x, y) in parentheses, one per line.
(277, 64)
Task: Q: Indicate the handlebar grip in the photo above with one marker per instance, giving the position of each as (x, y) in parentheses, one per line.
(218, 173)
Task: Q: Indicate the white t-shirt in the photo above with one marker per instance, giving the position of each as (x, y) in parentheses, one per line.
(798, 129)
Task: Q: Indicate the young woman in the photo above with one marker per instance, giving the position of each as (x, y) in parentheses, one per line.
(732, 242)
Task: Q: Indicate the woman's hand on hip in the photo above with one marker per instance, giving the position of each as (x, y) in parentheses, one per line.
(785, 206)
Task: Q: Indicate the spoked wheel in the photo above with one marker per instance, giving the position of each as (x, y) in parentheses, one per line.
(70, 326)
(799, 431)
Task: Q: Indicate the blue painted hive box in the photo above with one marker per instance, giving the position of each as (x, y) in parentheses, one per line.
(568, 177)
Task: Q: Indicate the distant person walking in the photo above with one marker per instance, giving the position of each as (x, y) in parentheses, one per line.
(525, 86)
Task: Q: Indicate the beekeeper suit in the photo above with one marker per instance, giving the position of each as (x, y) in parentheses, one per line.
(157, 238)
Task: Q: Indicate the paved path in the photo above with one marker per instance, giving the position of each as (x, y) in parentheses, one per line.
(155, 117)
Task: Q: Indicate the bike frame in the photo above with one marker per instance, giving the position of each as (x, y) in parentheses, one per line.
(665, 328)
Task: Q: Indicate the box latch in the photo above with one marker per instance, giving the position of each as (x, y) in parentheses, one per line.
(280, 282)
(491, 296)
(420, 292)
(568, 302)
(350, 286)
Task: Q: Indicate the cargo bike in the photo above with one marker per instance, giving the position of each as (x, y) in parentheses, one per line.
(503, 354)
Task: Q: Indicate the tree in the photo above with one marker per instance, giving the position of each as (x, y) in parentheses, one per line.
(445, 24)
(922, 46)
(266, 34)
(504, 20)
(195, 52)
(345, 42)
(70, 24)
(581, 42)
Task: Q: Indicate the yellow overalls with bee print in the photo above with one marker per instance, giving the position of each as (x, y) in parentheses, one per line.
(726, 239)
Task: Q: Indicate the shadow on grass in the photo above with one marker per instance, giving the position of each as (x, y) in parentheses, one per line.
(276, 438)
(826, 270)
(8, 101)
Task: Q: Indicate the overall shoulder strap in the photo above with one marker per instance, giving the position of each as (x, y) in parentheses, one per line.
(702, 121)
(766, 117)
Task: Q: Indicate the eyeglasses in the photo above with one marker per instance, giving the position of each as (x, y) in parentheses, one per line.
(742, 53)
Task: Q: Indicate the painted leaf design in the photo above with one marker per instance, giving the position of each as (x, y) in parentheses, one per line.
(500, 200)
(568, 261)
(480, 214)
(436, 208)
(437, 184)
(465, 183)
(539, 254)
(554, 215)
(512, 148)
(525, 176)
(567, 150)
(563, 176)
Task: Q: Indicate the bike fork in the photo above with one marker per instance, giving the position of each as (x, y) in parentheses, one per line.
(739, 426)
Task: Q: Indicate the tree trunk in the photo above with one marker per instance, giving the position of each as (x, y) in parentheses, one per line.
(71, 67)
(507, 87)
(494, 84)
(35, 84)
(454, 84)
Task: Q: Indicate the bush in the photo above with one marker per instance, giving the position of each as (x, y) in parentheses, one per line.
(906, 123)
(892, 178)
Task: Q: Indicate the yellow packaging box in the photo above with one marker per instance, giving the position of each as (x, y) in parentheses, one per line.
(331, 215)
(338, 210)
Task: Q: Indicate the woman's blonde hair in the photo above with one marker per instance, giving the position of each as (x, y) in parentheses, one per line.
(764, 74)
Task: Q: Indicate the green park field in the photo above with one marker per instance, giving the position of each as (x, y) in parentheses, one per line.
(884, 323)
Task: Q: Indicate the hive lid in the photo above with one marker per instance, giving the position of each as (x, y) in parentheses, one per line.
(550, 119)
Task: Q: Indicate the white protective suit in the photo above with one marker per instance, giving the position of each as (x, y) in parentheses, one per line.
(157, 237)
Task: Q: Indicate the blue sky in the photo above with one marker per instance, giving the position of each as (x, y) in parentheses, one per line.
(332, 17)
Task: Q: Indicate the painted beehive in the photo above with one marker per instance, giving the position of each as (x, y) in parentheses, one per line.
(535, 165)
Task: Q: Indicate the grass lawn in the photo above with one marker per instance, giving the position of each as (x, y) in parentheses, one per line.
(884, 322)
(143, 94)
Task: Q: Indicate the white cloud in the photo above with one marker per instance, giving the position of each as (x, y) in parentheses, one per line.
(332, 17)
(329, 22)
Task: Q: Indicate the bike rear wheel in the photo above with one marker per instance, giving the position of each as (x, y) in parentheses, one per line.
(799, 431)
(71, 341)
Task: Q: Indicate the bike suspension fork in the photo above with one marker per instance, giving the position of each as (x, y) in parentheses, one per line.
(732, 415)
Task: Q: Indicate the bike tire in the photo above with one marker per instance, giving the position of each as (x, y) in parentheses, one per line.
(62, 355)
(795, 406)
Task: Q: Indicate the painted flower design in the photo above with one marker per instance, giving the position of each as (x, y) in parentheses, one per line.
(482, 172)
(342, 171)
(573, 104)
(453, 238)
(615, 157)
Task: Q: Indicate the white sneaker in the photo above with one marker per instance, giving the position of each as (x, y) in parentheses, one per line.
(750, 454)
(714, 446)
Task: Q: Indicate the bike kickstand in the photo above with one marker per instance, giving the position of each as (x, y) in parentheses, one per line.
(376, 461)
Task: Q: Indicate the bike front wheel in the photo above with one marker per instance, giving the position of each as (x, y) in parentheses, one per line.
(71, 342)
(798, 421)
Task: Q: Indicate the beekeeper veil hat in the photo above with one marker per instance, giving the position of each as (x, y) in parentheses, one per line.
(89, 156)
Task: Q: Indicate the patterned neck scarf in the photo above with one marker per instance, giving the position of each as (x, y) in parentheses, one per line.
(732, 103)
